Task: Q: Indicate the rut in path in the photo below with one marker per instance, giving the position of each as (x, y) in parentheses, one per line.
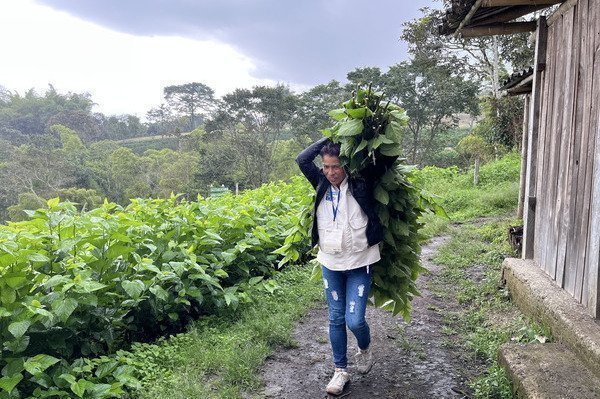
(413, 361)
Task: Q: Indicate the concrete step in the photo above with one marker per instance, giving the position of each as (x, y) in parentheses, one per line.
(548, 371)
(577, 336)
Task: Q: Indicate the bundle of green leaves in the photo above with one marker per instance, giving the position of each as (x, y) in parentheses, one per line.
(369, 131)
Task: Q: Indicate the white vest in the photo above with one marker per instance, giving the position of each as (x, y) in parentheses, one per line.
(349, 227)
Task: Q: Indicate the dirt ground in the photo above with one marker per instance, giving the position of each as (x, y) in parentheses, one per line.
(420, 360)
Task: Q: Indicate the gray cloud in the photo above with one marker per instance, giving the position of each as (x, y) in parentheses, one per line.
(302, 42)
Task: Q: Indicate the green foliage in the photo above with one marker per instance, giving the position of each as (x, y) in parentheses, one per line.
(220, 356)
(244, 133)
(82, 198)
(474, 147)
(86, 284)
(497, 192)
(190, 99)
(310, 118)
(494, 385)
(472, 261)
(139, 147)
(27, 201)
(503, 121)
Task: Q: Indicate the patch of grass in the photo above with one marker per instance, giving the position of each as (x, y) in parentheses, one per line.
(495, 384)
(495, 195)
(472, 260)
(410, 345)
(219, 356)
(434, 225)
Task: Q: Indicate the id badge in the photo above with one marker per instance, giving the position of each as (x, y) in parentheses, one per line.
(331, 241)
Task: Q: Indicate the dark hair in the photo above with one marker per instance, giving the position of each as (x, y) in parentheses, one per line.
(331, 149)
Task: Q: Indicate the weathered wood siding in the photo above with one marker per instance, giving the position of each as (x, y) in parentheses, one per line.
(568, 125)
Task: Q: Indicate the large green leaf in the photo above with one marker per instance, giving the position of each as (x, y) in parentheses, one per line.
(360, 147)
(8, 296)
(37, 257)
(15, 280)
(133, 288)
(39, 363)
(17, 345)
(7, 384)
(338, 114)
(352, 127)
(390, 150)
(80, 387)
(19, 328)
(381, 195)
(63, 308)
(88, 286)
(116, 250)
(359, 113)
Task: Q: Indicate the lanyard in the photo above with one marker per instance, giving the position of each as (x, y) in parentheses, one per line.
(335, 207)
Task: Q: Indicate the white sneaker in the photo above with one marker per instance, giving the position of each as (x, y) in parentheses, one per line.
(338, 382)
(364, 360)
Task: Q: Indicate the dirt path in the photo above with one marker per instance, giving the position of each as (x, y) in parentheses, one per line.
(414, 361)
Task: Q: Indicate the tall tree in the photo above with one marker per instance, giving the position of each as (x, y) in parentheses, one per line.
(30, 114)
(483, 58)
(432, 94)
(161, 118)
(192, 99)
(365, 76)
(248, 123)
(313, 106)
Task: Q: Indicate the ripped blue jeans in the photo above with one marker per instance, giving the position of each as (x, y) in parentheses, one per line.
(347, 293)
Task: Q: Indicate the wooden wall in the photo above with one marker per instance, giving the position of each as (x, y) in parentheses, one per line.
(565, 242)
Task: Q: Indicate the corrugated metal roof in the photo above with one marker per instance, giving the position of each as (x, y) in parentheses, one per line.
(516, 78)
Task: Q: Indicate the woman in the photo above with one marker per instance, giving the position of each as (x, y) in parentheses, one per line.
(347, 230)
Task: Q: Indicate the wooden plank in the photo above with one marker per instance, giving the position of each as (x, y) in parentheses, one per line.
(542, 159)
(587, 68)
(543, 192)
(551, 180)
(543, 149)
(576, 249)
(506, 15)
(564, 7)
(500, 3)
(534, 117)
(506, 28)
(524, 140)
(533, 237)
(565, 272)
(593, 259)
(519, 90)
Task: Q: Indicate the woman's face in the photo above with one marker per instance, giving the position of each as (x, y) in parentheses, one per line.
(333, 170)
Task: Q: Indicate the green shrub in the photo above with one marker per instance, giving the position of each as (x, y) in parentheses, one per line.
(74, 285)
(496, 194)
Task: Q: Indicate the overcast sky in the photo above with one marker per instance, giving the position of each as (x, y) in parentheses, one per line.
(124, 52)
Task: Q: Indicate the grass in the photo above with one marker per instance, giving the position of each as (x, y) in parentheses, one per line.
(472, 260)
(495, 195)
(219, 357)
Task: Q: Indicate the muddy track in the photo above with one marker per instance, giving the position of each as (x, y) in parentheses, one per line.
(418, 360)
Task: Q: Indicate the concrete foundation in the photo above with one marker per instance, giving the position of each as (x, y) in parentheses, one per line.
(577, 332)
(548, 371)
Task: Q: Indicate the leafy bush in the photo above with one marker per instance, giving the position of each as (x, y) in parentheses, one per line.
(497, 191)
(505, 169)
(86, 284)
